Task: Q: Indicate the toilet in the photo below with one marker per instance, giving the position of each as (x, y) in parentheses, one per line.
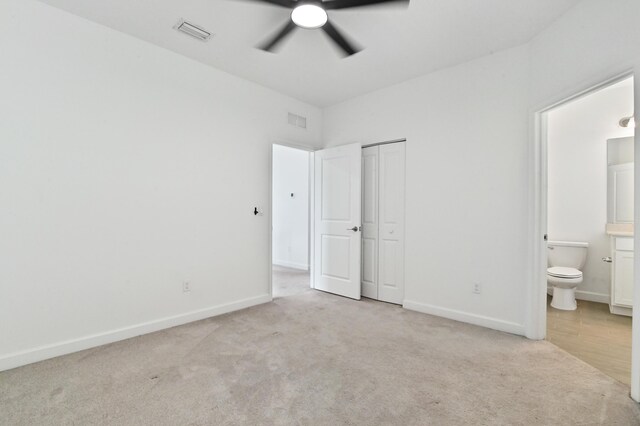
(564, 271)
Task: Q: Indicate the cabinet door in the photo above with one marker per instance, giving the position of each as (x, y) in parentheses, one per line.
(391, 216)
(370, 222)
(623, 278)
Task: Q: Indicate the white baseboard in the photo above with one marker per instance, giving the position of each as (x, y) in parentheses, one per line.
(593, 297)
(621, 310)
(293, 265)
(41, 353)
(483, 321)
(589, 296)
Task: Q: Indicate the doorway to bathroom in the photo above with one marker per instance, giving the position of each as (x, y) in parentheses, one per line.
(589, 226)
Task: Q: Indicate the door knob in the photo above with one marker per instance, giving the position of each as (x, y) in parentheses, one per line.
(607, 259)
(354, 229)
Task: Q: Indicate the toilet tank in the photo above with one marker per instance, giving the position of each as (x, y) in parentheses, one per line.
(570, 254)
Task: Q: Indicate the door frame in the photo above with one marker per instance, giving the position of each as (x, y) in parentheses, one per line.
(310, 219)
(536, 316)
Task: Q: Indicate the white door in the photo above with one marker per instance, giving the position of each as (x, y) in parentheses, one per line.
(391, 219)
(370, 222)
(337, 220)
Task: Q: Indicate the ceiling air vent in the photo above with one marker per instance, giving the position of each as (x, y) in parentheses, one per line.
(192, 30)
(297, 120)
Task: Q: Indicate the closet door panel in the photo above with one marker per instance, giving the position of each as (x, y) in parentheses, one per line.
(370, 222)
(391, 223)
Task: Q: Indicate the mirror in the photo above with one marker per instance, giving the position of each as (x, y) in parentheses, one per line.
(620, 180)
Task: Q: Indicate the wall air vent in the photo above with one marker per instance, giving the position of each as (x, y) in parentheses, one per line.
(192, 30)
(297, 120)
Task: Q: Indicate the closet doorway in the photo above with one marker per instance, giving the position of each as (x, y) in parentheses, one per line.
(358, 217)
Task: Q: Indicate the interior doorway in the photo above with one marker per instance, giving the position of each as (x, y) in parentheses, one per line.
(338, 220)
(588, 216)
(291, 221)
(359, 228)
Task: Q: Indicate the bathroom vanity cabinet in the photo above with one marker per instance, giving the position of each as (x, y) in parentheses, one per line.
(620, 215)
(621, 275)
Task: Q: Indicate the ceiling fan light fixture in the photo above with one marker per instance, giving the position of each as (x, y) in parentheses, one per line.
(309, 16)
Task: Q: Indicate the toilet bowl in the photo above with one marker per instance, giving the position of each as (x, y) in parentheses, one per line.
(565, 260)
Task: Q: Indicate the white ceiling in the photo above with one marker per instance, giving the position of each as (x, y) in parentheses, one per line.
(399, 43)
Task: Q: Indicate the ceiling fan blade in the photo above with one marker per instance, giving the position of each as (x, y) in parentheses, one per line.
(285, 31)
(348, 48)
(346, 4)
(284, 3)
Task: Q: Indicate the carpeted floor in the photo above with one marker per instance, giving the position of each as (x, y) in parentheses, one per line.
(289, 282)
(317, 359)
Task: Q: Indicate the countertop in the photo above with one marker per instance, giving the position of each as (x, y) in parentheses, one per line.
(619, 229)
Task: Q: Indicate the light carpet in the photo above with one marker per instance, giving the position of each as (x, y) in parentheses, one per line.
(289, 282)
(317, 359)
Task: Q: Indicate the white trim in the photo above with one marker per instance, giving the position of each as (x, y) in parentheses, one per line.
(312, 210)
(536, 319)
(41, 353)
(292, 265)
(481, 320)
(635, 334)
(300, 147)
(589, 296)
(621, 310)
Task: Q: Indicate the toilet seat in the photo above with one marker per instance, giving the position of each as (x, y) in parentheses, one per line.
(564, 272)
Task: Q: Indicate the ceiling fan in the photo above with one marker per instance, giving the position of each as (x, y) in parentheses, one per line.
(312, 14)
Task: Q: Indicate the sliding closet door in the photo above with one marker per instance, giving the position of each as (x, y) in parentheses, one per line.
(370, 222)
(391, 223)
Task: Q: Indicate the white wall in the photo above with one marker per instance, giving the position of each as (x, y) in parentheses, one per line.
(290, 214)
(125, 170)
(466, 211)
(470, 169)
(593, 41)
(577, 177)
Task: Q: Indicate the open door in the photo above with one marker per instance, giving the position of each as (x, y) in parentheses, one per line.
(337, 220)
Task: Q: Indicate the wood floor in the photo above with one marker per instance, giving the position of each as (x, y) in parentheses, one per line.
(593, 335)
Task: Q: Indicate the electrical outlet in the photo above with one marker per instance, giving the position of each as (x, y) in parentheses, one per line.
(477, 288)
(186, 287)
